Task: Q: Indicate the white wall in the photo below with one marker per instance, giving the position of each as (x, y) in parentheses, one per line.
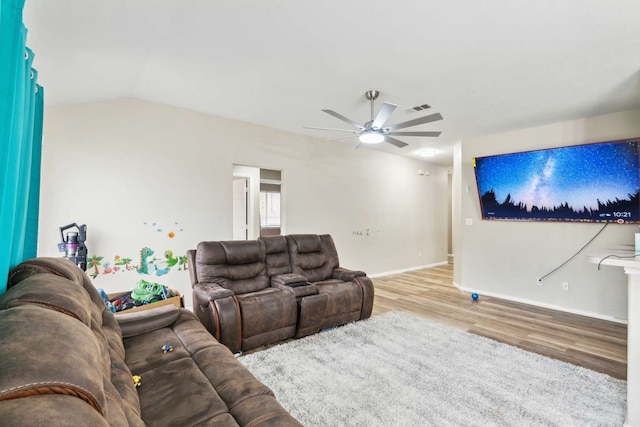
(505, 258)
(122, 166)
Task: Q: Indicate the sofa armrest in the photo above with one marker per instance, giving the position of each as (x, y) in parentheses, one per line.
(218, 310)
(368, 292)
(204, 292)
(142, 322)
(346, 274)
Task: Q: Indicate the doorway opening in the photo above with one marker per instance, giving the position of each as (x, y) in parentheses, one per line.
(258, 200)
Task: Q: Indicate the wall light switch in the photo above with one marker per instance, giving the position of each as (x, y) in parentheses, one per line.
(468, 221)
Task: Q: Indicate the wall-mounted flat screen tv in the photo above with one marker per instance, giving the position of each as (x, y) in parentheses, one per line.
(585, 183)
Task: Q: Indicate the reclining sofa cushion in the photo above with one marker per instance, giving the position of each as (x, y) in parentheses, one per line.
(234, 265)
(198, 382)
(312, 256)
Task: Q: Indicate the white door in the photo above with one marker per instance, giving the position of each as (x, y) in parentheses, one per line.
(240, 215)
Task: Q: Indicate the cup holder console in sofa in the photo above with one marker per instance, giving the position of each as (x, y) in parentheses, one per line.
(257, 292)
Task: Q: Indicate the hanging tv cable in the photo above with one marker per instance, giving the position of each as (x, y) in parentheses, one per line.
(574, 255)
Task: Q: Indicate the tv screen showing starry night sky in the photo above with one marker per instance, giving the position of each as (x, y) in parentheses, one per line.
(587, 183)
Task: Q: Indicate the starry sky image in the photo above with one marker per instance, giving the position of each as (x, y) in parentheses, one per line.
(578, 175)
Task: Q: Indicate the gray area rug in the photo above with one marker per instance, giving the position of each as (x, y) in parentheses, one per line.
(399, 370)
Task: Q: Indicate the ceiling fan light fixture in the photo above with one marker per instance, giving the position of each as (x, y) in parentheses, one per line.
(374, 131)
(371, 138)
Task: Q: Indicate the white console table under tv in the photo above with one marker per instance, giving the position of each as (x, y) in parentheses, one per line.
(626, 259)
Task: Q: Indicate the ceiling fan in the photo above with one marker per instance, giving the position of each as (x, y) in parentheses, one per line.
(374, 131)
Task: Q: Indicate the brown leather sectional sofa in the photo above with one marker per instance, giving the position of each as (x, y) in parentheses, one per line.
(66, 360)
(257, 292)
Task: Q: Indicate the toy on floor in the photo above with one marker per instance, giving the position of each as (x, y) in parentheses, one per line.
(474, 296)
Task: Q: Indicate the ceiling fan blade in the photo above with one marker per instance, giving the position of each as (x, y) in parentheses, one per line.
(395, 142)
(343, 118)
(415, 122)
(383, 115)
(341, 137)
(436, 133)
(336, 130)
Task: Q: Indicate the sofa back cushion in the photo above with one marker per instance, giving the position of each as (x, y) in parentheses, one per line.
(237, 265)
(55, 266)
(34, 291)
(46, 352)
(313, 256)
(277, 258)
(79, 338)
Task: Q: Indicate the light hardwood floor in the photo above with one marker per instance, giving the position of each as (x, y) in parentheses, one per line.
(595, 344)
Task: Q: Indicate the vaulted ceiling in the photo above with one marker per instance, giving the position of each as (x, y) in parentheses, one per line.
(487, 66)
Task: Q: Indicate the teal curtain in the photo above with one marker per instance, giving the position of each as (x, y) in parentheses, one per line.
(21, 116)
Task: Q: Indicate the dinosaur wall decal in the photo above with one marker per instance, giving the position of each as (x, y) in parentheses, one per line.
(143, 267)
(171, 260)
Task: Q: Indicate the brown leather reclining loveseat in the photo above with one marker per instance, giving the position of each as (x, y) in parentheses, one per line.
(257, 292)
(66, 360)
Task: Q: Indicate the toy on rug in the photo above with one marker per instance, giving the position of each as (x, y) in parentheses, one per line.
(166, 348)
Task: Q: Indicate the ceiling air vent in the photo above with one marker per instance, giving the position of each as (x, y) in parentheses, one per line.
(421, 107)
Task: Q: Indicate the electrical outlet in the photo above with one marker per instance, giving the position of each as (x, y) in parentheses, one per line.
(419, 253)
(565, 286)
(539, 282)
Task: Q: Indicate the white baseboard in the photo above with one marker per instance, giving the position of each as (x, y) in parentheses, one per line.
(404, 270)
(542, 304)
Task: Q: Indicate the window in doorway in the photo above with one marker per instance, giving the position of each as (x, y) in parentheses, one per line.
(270, 202)
(270, 208)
